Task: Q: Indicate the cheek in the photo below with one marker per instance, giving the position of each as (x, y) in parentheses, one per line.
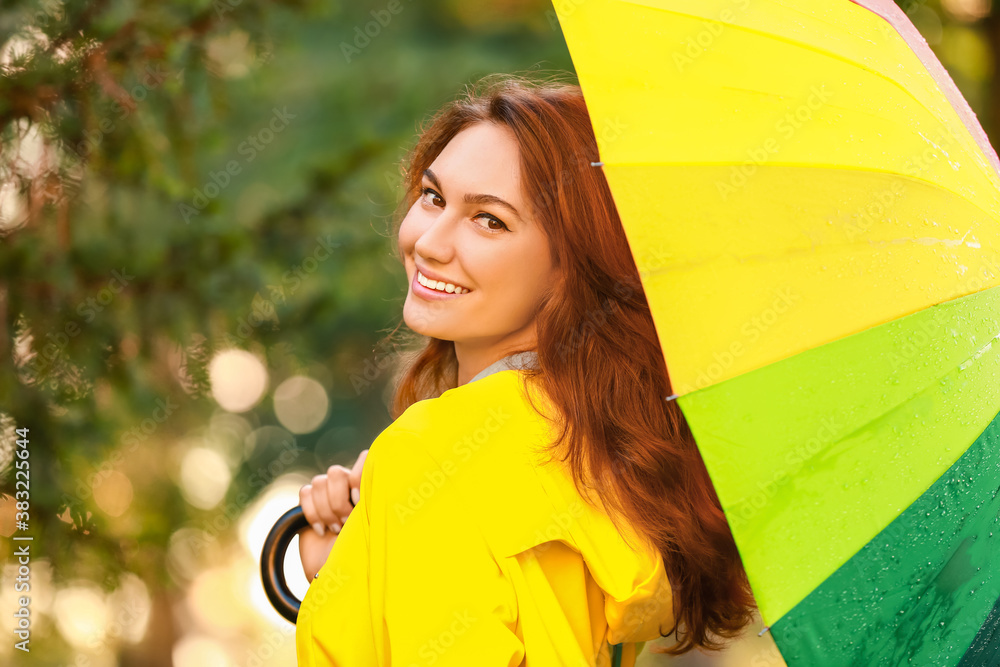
(520, 291)
(408, 233)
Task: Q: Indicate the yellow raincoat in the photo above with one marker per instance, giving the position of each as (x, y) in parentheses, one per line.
(467, 550)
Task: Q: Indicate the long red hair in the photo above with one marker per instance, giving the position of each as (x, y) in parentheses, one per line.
(599, 357)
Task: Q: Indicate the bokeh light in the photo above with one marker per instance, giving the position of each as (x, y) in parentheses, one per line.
(197, 650)
(228, 433)
(81, 614)
(188, 552)
(113, 493)
(238, 379)
(301, 404)
(210, 599)
(967, 10)
(130, 608)
(204, 477)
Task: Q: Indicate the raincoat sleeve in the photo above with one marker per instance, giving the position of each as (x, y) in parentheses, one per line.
(447, 602)
(334, 626)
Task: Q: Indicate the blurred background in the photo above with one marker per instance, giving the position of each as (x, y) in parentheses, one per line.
(196, 283)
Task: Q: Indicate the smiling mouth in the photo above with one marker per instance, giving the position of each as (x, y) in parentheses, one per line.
(440, 285)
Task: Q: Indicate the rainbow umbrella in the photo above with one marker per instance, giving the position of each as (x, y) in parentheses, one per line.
(815, 214)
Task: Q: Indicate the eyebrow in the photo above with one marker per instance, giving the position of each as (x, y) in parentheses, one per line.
(475, 199)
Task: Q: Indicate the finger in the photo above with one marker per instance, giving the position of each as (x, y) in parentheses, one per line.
(309, 509)
(314, 550)
(321, 497)
(337, 489)
(354, 479)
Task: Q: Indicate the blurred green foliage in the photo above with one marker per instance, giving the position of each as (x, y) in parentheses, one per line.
(133, 254)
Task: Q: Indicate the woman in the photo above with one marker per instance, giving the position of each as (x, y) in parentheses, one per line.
(477, 538)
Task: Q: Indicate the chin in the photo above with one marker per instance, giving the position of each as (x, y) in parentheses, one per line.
(417, 322)
(430, 318)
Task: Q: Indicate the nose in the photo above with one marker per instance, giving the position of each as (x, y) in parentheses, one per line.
(437, 240)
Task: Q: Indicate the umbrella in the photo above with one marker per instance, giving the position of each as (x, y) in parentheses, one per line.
(272, 561)
(815, 214)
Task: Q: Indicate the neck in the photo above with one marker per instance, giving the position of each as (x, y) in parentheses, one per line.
(474, 356)
(471, 363)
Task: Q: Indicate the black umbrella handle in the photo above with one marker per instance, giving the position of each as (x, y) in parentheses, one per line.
(272, 560)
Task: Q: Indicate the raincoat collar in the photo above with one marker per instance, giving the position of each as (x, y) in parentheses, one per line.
(515, 361)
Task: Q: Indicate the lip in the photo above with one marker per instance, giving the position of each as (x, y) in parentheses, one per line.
(429, 294)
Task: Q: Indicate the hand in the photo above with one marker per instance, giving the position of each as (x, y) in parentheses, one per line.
(326, 506)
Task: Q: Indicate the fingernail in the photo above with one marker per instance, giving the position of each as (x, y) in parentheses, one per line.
(335, 527)
(318, 527)
(356, 495)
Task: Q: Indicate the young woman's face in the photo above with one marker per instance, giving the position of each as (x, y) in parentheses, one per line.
(473, 229)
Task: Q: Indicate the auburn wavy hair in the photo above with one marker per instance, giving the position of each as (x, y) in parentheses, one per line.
(599, 357)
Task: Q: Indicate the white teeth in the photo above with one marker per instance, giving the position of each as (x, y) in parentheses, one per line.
(440, 285)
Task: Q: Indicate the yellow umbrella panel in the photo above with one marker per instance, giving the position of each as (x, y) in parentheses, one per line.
(815, 214)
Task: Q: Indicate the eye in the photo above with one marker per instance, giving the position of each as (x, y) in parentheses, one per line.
(433, 195)
(491, 218)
